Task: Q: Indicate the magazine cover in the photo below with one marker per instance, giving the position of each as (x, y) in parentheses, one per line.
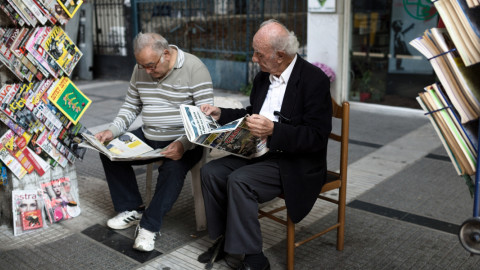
(43, 142)
(27, 208)
(12, 14)
(8, 59)
(40, 54)
(60, 202)
(69, 99)
(45, 12)
(14, 146)
(24, 12)
(3, 174)
(11, 162)
(62, 49)
(31, 219)
(233, 137)
(70, 6)
(36, 11)
(56, 10)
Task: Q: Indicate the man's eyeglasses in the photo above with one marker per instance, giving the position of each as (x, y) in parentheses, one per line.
(151, 66)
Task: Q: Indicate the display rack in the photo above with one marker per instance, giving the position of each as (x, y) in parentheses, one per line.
(461, 18)
(36, 59)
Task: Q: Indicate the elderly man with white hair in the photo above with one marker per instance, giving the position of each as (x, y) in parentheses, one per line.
(290, 106)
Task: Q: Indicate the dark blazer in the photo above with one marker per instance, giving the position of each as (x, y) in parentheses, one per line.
(300, 144)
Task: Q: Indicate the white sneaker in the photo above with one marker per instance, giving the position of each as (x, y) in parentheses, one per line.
(144, 239)
(124, 220)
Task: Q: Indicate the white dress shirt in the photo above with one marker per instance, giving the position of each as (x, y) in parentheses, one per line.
(276, 92)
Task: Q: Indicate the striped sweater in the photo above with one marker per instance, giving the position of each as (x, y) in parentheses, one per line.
(158, 101)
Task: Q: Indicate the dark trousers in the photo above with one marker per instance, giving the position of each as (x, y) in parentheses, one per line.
(232, 189)
(171, 176)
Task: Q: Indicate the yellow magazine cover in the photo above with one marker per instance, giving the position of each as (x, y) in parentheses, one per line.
(69, 99)
(70, 6)
(62, 49)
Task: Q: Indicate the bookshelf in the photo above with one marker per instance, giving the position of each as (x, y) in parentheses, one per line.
(453, 104)
(40, 109)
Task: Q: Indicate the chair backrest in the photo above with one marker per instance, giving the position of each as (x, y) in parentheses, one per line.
(343, 114)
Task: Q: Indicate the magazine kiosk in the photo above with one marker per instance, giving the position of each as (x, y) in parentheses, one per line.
(36, 53)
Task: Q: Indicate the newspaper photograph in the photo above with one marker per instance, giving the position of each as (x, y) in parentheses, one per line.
(233, 137)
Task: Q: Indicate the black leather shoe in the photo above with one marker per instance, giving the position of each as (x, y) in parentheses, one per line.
(245, 266)
(215, 252)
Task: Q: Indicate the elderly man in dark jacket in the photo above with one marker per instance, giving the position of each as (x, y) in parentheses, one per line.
(291, 106)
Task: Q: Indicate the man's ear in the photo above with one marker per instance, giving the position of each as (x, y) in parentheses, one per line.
(166, 55)
(280, 56)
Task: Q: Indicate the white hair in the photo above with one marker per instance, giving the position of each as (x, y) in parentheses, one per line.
(154, 40)
(287, 42)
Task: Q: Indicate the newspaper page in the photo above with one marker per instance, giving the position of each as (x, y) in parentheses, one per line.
(233, 137)
(125, 147)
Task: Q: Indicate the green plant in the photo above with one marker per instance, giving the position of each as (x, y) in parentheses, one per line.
(246, 89)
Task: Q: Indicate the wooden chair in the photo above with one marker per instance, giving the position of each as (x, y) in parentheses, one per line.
(335, 180)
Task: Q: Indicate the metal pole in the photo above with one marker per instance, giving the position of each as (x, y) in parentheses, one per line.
(96, 26)
(477, 182)
(134, 18)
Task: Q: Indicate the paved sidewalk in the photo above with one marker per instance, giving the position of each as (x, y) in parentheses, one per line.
(405, 205)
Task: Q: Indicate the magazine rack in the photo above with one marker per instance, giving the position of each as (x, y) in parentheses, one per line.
(27, 67)
(461, 21)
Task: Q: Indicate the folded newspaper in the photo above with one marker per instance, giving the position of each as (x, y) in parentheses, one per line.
(123, 148)
(233, 137)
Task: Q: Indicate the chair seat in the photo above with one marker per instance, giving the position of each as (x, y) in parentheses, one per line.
(333, 182)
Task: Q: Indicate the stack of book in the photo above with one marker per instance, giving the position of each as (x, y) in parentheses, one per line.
(460, 82)
(453, 104)
(462, 20)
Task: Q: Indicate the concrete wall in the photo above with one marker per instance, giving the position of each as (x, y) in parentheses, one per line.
(328, 42)
(229, 75)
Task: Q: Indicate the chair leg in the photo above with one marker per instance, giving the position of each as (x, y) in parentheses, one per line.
(290, 243)
(199, 204)
(341, 219)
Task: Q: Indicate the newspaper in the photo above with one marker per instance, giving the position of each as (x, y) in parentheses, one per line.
(125, 147)
(233, 137)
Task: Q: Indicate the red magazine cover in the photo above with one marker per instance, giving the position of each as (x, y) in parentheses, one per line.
(27, 206)
(31, 219)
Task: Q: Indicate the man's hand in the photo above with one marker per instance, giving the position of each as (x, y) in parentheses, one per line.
(208, 109)
(260, 126)
(104, 136)
(174, 150)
